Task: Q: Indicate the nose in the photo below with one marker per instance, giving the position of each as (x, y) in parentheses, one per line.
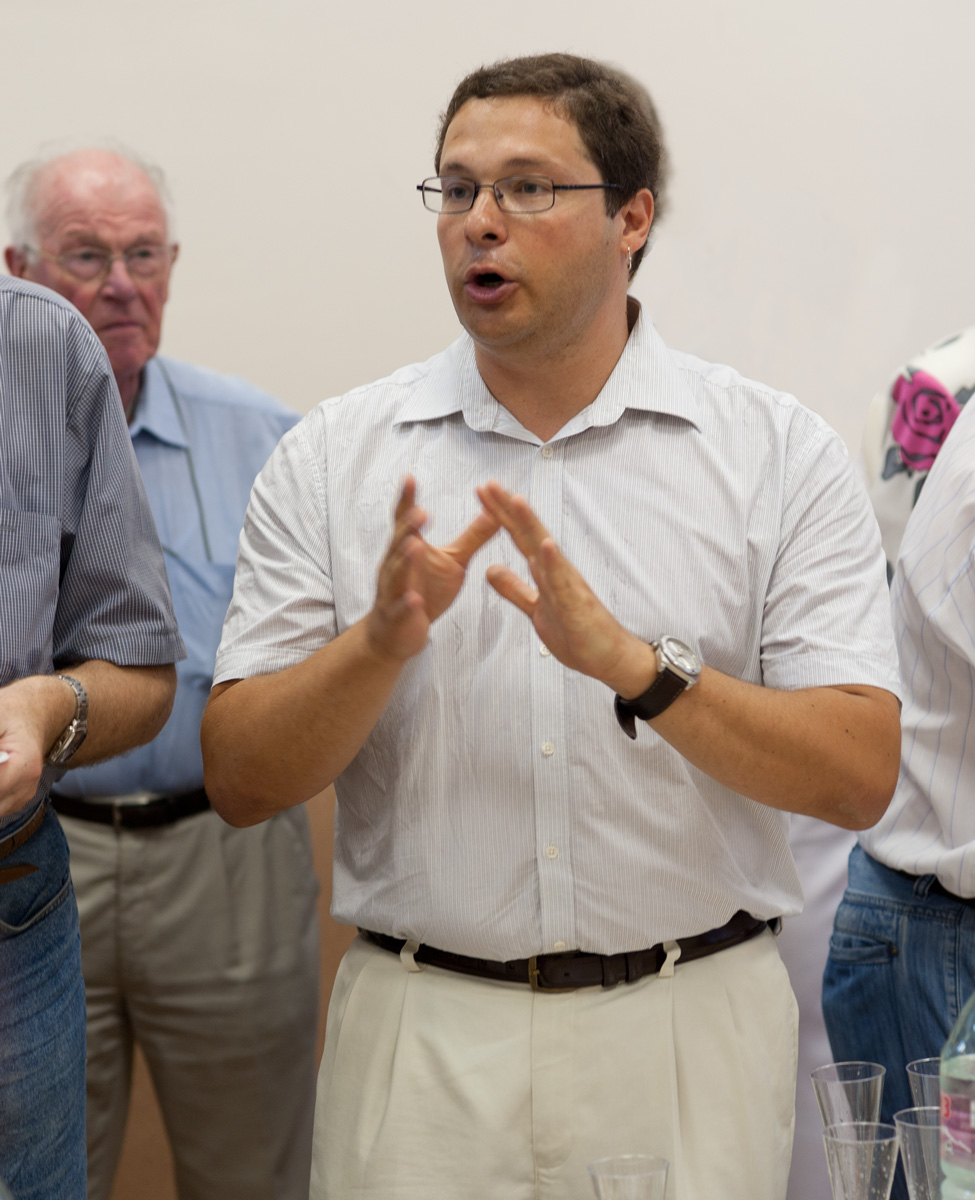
(118, 282)
(485, 221)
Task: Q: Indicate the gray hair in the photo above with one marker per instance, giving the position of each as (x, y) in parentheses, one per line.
(21, 185)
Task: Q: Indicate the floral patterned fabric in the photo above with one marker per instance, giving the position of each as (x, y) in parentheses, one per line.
(907, 426)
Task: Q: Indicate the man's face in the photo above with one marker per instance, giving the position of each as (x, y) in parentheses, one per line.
(94, 200)
(528, 282)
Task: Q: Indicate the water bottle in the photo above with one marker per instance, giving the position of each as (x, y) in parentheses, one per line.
(958, 1108)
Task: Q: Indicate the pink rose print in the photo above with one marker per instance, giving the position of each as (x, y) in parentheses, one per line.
(923, 418)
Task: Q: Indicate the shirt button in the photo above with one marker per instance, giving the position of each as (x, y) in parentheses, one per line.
(559, 947)
(547, 452)
(551, 851)
(548, 749)
(544, 651)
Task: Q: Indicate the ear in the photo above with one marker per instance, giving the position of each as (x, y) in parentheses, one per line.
(637, 217)
(16, 261)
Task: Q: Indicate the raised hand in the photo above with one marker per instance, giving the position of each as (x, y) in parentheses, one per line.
(418, 582)
(569, 618)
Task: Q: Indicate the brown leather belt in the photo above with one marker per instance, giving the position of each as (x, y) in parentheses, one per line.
(566, 972)
(20, 835)
(162, 810)
(15, 840)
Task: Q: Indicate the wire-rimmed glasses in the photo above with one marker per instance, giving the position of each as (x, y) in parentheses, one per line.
(454, 194)
(90, 263)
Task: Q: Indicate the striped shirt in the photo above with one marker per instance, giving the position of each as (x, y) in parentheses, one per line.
(907, 425)
(929, 827)
(497, 809)
(81, 568)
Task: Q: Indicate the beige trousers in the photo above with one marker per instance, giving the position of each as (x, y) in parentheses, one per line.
(200, 942)
(438, 1085)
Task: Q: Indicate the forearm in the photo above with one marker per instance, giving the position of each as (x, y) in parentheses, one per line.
(127, 707)
(827, 752)
(273, 741)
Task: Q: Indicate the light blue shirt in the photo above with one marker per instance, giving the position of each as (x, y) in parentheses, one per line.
(496, 808)
(200, 439)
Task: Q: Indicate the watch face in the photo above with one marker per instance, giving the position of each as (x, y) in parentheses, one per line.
(683, 657)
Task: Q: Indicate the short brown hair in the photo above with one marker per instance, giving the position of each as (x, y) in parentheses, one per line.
(616, 118)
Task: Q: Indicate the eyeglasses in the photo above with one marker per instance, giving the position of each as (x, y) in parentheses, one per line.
(87, 263)
(514, 194)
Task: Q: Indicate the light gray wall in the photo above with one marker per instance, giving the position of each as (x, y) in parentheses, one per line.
(820, 226)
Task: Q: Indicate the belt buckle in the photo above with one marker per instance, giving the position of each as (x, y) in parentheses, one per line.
(533, 979)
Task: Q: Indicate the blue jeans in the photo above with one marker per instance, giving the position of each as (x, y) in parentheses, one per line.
(42, 1025)
(901, 966)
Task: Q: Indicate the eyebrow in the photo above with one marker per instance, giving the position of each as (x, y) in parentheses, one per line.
(532, 165)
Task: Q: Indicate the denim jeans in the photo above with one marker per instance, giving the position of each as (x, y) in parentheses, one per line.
(901, 966)
(42, 1026)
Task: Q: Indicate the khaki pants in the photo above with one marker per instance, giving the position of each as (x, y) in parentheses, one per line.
(200, 942)
(435, 1084)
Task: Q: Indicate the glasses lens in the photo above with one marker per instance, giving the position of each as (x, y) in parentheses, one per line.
(85, 264)
(525, 193)
(144, 262)
(456, 194)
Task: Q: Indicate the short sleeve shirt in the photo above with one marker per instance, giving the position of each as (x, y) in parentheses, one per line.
(82, 570)
(497, 809)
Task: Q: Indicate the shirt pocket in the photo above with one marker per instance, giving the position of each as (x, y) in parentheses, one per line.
(30, 568)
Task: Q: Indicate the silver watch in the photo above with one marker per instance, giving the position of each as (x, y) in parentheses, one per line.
(75, 731)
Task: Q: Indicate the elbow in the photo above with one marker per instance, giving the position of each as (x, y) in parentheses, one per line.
(876, 778)
(165, 694)
(230, 804)
(225, 775)
(148, 705)
(228, 798)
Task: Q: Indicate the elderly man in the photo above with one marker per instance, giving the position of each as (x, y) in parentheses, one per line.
(199, 941)
(88, 639)
(565, 946)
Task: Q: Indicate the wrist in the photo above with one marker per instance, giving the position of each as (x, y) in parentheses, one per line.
(636, 670)
(46, 706)
(678, 669)
(381, 652)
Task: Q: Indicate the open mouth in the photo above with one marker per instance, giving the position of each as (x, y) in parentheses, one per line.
(488, 279)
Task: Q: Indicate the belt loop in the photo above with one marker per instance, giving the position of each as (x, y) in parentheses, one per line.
(408, 950)
(672, 950)
(117, 817)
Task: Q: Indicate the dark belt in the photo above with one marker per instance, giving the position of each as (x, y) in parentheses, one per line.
(565, 972)
(162, 810)
(936, 886)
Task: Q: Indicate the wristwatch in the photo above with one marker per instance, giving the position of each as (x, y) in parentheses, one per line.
(76, 730)
(678, 668)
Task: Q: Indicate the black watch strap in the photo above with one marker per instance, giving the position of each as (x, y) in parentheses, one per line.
(677, 669)
(660, 695)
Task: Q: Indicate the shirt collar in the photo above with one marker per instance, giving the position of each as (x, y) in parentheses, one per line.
(646, 378)
(155, 408)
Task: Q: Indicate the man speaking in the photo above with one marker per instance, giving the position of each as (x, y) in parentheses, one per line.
(566, 738)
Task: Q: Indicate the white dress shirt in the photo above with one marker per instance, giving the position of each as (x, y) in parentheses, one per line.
(929, 827)
(497, 809)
